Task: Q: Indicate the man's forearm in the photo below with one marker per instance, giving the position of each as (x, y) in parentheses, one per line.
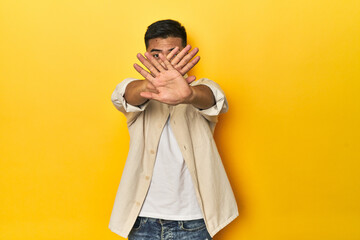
(132, 92)
(202, 97)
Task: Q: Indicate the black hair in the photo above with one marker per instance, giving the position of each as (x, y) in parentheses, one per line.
(164, 29)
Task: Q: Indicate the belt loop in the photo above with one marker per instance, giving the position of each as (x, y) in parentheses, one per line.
(144, 219)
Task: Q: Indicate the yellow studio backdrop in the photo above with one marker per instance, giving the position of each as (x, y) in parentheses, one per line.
(289, 143)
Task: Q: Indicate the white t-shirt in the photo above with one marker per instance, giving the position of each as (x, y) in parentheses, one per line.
(171, 194)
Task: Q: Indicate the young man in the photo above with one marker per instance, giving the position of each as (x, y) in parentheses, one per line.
(174, 185)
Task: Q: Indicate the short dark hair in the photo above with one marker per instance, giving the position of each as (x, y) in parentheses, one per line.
(164, 29)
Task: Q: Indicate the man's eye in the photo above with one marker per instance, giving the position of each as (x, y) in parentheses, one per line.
(156, 55)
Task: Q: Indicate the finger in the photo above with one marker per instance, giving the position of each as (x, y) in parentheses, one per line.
(180, 55)
(167, 63)
(172, 53)
(153, 70)
(144, 73)
(187, 58)
(190, 79)
(151, 88)
(190, 65)
(146, 95)
(150, 95)
(162, 63)
(154, 62)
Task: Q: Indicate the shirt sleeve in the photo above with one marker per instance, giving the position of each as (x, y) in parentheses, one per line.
(221, 104)
(118, 99)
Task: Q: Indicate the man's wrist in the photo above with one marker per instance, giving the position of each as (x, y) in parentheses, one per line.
(191, 98)
(201, 97)
(132, 92)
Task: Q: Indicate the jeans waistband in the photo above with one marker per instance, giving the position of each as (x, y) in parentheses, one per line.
(165, 221)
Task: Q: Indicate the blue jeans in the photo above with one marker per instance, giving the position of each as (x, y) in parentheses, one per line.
(158, 229)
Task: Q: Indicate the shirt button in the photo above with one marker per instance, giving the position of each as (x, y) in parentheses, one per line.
(137, 203)
(184, 147)
(147, 177)
(152, 151)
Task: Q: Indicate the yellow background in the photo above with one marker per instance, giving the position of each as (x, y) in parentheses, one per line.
(290, 141)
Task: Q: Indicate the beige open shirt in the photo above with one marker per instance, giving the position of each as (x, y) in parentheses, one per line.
(193, 130)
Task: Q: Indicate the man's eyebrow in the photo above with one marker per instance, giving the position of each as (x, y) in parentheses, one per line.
(158, 50)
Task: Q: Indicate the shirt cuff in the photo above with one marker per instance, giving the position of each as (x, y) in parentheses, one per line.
(221, 105)
(119, 101)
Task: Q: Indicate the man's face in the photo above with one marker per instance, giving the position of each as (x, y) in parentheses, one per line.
(163, 45)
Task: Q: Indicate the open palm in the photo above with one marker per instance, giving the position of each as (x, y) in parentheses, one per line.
(170, 85)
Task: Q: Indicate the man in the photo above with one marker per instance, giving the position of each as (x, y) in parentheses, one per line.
(174, 185)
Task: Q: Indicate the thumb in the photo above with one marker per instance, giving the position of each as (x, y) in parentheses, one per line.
(190, 79)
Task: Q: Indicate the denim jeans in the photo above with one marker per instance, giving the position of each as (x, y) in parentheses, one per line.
(158, 229)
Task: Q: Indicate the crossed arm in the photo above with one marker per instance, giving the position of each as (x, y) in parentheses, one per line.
(165, 82)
